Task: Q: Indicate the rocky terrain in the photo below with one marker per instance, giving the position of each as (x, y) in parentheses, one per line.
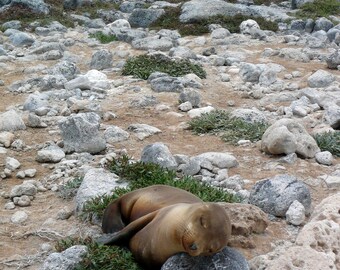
(66, 110)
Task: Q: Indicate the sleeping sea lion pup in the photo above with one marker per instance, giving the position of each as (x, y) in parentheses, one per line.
(159, 221)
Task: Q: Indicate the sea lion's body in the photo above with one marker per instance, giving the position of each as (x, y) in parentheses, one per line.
(141, 202)
(160, 221)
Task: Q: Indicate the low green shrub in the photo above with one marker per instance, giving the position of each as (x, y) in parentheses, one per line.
(140, 175)
(231, 129)
(143, 65)
(103, 38)
(170, 20)
(101, 257)
(329, 141)
(319, 8)
(69, 190)
(26, 16)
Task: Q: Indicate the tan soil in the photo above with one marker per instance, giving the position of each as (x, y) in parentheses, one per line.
(25, 239)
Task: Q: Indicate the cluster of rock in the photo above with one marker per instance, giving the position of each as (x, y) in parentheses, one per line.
(67, 103)
(316, 246)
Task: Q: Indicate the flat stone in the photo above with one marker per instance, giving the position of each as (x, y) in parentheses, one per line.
(332, 181)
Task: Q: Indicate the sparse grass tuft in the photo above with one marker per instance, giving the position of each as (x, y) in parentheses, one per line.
(243, 130)
(329, 141)
(101, 257)
(170, 20)
(69, 190)
(91, 7)
(57, 12)
(140, 175)
(26, 16)
(319, 8)
(97, 205)
(103, 38)
(143, 65)
(230, 128)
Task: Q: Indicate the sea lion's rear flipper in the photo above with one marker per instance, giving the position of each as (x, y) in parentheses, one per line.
(112, 218)
(124, 235)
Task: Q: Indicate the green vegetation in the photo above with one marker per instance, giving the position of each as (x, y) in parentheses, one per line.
(329, 141)
(57, 13)
(170, 20)
(319, 8)
(143, 65)
(267, 2)
(97, 205)
(101, 257)
(69, 190)
(140, 175)
(230, 128)
(103, 38)
(26, 16)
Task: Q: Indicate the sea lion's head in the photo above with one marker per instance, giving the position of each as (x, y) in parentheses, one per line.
(207, 230)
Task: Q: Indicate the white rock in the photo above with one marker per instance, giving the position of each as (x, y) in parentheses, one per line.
(30, 172)
(325, 158)
(296, 213)
(332, 181)
(185, 107)
(248, 25)
(20, 175)
(9, 206)
(320, 78)
(19, 217)
(6, 138)
(12, 163)
(199, 111)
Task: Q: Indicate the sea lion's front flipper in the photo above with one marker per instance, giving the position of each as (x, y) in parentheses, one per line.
(112, 219)
(124, 235)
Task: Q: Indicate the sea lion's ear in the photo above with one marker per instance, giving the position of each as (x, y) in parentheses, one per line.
(203, 222)
(124, 235)
(112, 218)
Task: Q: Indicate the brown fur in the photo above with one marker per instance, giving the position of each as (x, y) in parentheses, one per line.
(160, 221)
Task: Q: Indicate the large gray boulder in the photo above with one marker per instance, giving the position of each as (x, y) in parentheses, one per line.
(333, 60)
(160, 154)
(275, 195)
(287, 136)
(228, 258)
(250, 72)
(66, 68)
(11, 121)
(36, 6)
(96, 182)
(156, 43)
(323, 24)
(201, 9)
(317, 243)
(332, 116)
(66, 260)
(20, 39)
(141, 17)
(101, 59)
(250, 115)
(320, 78)
(50, 154)
(114, 134)
(36, 101)
(219, 160)
(80, 133)
(166, 84)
